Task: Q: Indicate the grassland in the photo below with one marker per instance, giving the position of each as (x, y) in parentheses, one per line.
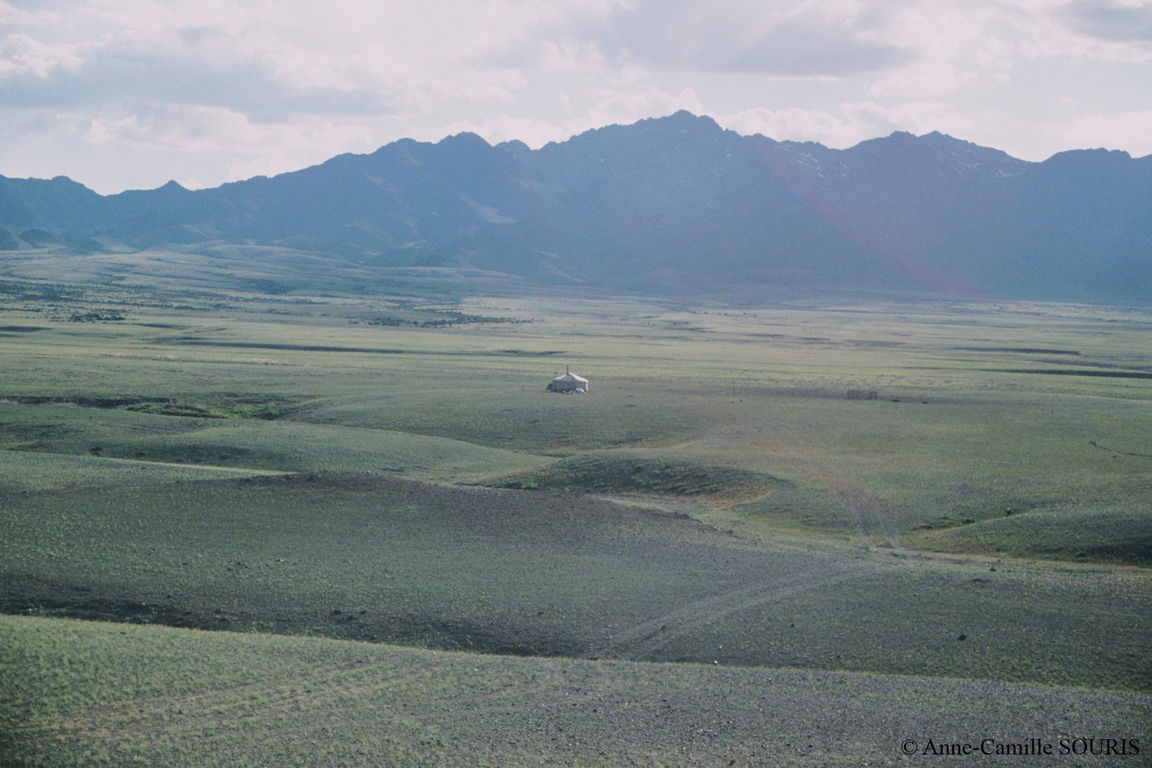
(384, 520)
(87, 693)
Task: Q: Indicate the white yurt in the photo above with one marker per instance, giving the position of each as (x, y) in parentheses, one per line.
(569, 384)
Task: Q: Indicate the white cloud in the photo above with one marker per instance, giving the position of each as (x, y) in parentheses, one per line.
(607, 107)
(1116, 21)
(1131, 131)
(957, 47)
(570, 55)
(174, 70)
(177, 128)
(200, 131)
(850, 123)
(10, 16)
(196, 129)
(1078, 31)
(630, 106)
(737, 36)
(23, 56)
(795, 124)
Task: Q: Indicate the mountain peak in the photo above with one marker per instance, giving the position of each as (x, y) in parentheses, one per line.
(1097, 154)
(685, 116)
(685, 120)
(464, 139)
(65, 181)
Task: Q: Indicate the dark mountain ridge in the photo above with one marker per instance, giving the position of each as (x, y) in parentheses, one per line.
(673, 204)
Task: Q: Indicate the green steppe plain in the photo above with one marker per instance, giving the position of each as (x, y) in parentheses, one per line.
(260, 530)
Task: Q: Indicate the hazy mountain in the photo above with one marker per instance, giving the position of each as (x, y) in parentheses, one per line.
(670, 204)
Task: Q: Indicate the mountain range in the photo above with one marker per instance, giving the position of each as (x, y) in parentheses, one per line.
(666, 205)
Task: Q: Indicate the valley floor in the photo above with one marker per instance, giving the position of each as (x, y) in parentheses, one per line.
(251, 530)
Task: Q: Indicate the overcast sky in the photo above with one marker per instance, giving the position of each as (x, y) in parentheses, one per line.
(127, 94)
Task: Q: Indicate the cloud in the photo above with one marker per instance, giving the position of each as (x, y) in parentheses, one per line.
(23, 56)
(797, 124)
(615, 106)
(181, 128)
(1084, 31)
(851, 122)
(253, 148)
(1130, 130)
(270, 61)
(738, 36)
(13, 16)
(1122, 22)
(608, 107)
(265, 86)
(957, 47)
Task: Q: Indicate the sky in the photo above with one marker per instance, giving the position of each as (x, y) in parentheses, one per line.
(129, 94)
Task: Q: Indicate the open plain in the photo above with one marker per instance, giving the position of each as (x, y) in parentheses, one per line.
(351, 528)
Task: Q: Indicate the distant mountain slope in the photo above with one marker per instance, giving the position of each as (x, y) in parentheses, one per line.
(671, 204)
